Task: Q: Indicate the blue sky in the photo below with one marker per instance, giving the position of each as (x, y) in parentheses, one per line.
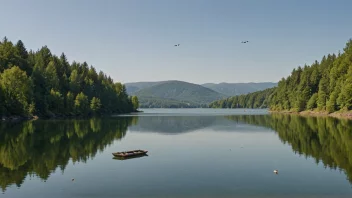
(132, 40)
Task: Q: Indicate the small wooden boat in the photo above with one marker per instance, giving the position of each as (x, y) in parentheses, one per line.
(130, 157)
(130, 153)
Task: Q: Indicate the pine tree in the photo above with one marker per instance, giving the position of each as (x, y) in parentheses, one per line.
(323, 93)
(95, 105)
(312, 103)
(69, 103)
(81, 104)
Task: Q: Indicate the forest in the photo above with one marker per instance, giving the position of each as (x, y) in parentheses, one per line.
(259, 99)
(39, 83)
(322, 86)
(154, 102)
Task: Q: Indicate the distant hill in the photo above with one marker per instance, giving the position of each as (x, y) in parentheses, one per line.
(228, 89)
(232, 89)
(174, 94)
(136, 86)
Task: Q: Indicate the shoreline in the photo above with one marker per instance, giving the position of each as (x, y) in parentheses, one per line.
(341, 115)
(52, 117)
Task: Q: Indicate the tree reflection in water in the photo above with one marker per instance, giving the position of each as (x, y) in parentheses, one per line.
(39, 147)
(327, 140)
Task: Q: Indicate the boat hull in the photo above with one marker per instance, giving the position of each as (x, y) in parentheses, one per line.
(127, 154)
(130, 157)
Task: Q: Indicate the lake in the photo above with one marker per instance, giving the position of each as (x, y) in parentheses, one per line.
(192, 153)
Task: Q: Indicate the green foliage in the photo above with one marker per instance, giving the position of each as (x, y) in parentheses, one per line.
(81, 104)
(345, 96)
(43, 84)
(235, 89)
(95, 105)
(312, 103)
(16, 90)
(31, 109)
(9, 55)
(135, 102)
(154, 102)
(259, 99)
(323, 93)
(326, 86)
(56, 101)
(69, 104)
(323, 85)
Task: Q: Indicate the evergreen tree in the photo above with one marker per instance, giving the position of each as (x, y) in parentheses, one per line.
(95, 105)
(70, 102)
(81, 104)
(56, 102)
(312, 103)
(323, 93)
(23, 56)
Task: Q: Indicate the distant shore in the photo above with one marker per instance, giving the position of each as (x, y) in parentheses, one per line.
(53, 116)
(344, 115)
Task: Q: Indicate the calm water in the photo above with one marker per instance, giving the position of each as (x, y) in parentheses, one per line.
(192, 153)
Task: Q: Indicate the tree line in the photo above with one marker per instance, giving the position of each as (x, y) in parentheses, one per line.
(259, 99)
(150, 102)
(323, 86)
(41, 83)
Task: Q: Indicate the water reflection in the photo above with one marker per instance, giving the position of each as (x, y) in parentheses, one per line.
(327, 140)
(172, 124)
(39, 147)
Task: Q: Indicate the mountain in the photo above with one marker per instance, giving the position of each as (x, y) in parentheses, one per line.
(228, 89)
(233, 89)
(176, 94)
(136, 86)
(179, 94)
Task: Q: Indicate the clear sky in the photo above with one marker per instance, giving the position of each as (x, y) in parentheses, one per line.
(132, 40)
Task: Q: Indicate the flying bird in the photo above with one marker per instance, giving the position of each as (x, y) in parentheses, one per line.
(177, 45)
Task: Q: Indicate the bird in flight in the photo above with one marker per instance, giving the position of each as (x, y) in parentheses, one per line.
(177, 45)
(244, 41)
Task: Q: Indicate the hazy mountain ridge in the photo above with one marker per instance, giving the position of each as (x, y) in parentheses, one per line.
(233, 89)
(229, 89)
(136, 86)
(180, 94)
(188, 94)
